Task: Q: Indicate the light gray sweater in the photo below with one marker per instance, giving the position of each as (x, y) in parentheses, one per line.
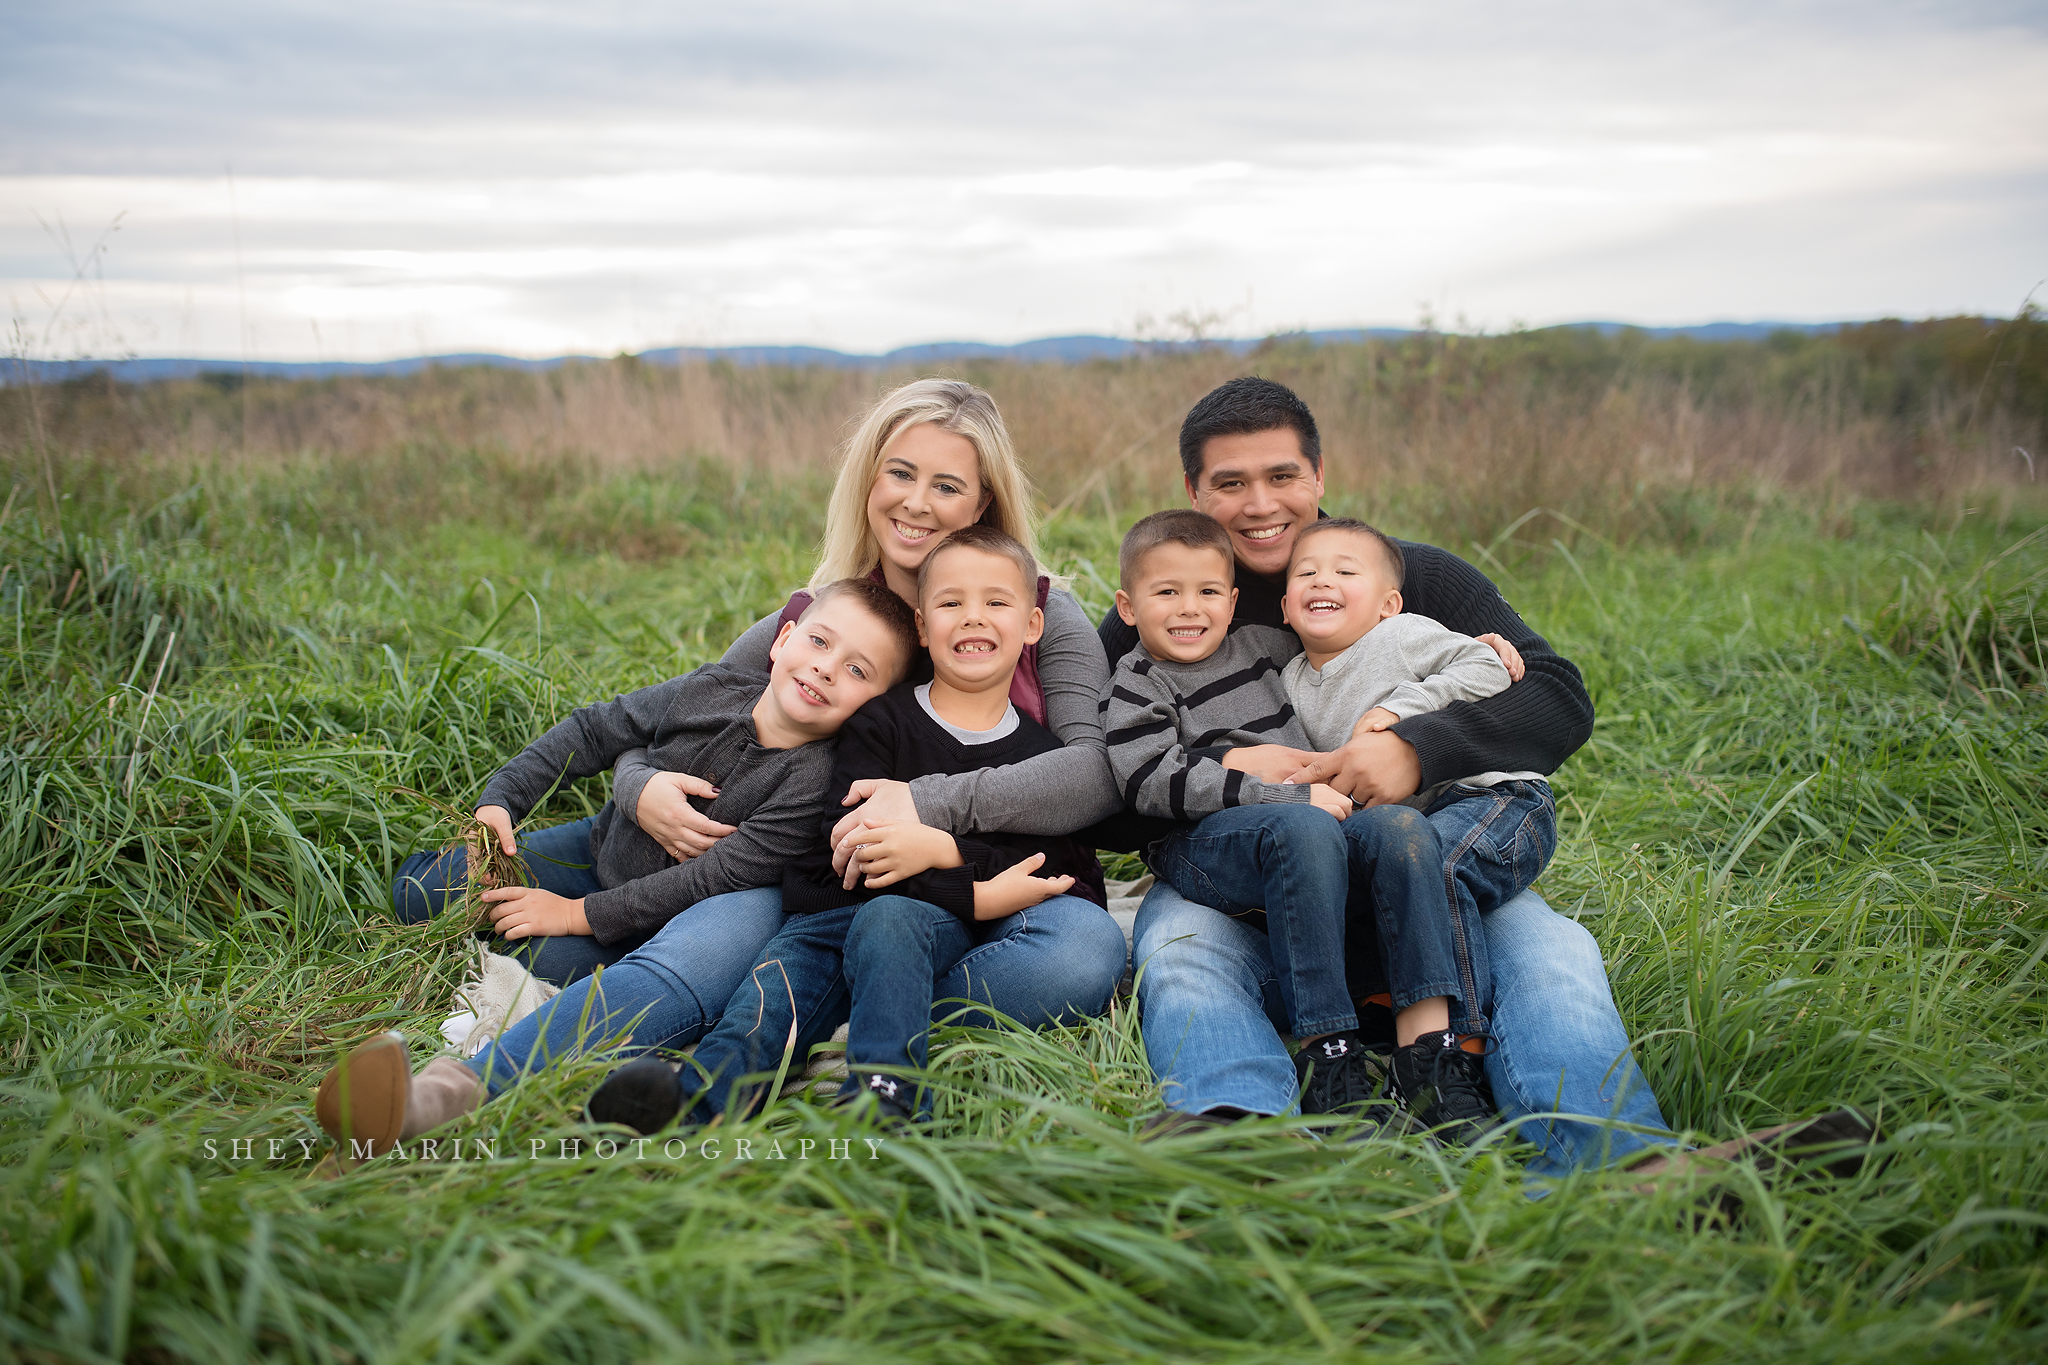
(1408, 664)
(1168, 723)
(1052, 794)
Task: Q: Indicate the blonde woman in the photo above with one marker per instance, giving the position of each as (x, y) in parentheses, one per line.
(930, 458)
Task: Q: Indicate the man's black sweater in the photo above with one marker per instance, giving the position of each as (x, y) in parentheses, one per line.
(1536, 724)
(892, 737)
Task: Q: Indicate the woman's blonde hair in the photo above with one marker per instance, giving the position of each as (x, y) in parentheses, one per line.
(850, 549)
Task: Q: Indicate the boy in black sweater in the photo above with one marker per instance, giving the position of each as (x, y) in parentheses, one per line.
(915, 900)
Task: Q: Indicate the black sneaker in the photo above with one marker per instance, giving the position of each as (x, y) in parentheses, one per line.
(1445, 1086)
(1176, 1122)
(1340, 1075)
(644, 1095)
(889, 1096)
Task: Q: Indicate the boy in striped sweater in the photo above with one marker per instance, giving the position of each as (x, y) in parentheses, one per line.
(1182, 715)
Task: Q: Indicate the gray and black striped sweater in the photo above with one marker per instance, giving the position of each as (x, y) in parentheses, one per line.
(1168, 725)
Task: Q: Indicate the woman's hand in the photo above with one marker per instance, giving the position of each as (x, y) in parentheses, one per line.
(1268, 762)
(886, 800)
(887, 851)
(1510, 657)
(1014, 889)
(529, 912)
(666, 814)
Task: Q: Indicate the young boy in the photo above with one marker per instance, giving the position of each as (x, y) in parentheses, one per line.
(916, 900)
(1194, 685)
(1366, 665)
(764, 740)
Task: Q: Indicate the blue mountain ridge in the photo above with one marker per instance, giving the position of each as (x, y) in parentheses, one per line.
(1062, 350)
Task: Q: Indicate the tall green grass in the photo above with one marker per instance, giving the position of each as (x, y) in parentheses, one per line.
(1810, 833)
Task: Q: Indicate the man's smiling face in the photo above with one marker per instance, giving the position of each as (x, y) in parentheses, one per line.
(1263, 489)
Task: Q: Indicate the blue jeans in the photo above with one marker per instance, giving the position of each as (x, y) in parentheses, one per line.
(897, 950)
(667, 991)
(1209, 1000)
(1289, 860)
(559, 858)
(1056, 962)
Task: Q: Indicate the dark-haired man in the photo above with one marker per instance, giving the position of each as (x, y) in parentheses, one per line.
(1253, 460)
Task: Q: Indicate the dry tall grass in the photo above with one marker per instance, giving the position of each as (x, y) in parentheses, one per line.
(1455, 435)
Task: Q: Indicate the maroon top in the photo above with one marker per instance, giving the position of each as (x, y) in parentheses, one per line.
(1027, 694)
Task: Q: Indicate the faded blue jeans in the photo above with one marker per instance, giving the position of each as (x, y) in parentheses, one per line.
(1211, 1012)
(559, 859)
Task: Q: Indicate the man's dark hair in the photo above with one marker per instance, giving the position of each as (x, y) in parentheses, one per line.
(989, 541)
(1180, 526)
(1396, 561)
(1239, 407)
(878, 601)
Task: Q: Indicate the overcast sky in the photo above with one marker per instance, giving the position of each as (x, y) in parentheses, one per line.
(538, 179)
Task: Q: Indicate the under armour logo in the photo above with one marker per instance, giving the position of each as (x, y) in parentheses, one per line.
(884, 1086)
(1334, 1047)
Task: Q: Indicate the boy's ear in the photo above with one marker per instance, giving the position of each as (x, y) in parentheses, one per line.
(1392, 606)
(1035, 627)
(775, 650)
(1124, 608)
(1233, 604)
(923, 639)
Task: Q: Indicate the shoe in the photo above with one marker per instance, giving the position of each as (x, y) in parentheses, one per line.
(1340, 1075)
(644, 1095)
(1445, 1087)
(1178, 1123)
(1834, 1145)
(370, 1101)
(885, 1093)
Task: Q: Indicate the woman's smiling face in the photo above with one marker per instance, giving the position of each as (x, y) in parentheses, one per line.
(929, 484)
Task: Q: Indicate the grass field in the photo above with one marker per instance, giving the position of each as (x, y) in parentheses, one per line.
(1810, 833)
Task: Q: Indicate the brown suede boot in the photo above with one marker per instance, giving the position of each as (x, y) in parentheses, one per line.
(370, 1101)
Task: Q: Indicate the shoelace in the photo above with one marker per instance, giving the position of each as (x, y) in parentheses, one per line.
(1462, 1100)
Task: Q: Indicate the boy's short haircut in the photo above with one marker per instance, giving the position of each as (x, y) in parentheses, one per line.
(1239, 407)
(989, 541)
(880, 602)
(1178, 526)
(1397, 563)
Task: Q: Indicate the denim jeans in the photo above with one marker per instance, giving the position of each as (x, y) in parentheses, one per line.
(1289, 859)
(559, 858)
(1055, 962)
(667, 992)
(1210, 1006)
(897, 951)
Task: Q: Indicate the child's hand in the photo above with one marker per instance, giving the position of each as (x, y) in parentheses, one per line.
(1268, 762)
(886, 800)
(500, 820)
(1510, 657)
(529, 912)
(887, 851)
(666, 814)
(1014, 889)
(1331, 800)
(1375, 720)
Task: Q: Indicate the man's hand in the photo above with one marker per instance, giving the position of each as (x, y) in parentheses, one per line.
(529, 912)
(1371, 723)
(1268, 762)
(887, 851)
(668, 817)
(886, 800)
(499, 820)
(1014, 889)
(1328, 798)
(1374, 768)
(1510, 657)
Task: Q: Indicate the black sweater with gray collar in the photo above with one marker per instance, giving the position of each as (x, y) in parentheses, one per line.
(1536, 724)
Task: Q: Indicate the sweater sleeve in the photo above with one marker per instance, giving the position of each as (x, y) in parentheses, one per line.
(750, 650)
(780, 831)
(1446, 666)
(583, 744)
(1159, 775)
(630, 776)
(1533, 726)
(1053, 793)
